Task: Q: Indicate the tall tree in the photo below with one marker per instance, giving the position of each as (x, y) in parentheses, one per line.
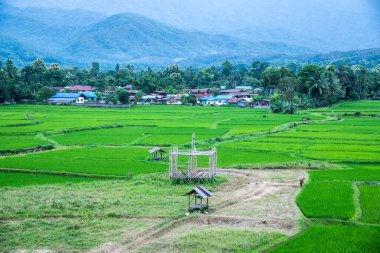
(346, 78)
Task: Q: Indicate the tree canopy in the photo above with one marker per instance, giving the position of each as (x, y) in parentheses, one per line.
(303, 85)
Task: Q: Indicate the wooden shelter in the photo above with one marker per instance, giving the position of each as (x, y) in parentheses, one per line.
(200, 196)
(192, 171)
(157, 153)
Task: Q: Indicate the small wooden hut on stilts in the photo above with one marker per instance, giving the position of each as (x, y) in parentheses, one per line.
(157, 154)
(200, 196)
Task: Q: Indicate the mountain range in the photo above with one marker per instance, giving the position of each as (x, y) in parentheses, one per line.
(79, 37)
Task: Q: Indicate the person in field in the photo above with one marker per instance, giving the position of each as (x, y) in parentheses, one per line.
(302, 181)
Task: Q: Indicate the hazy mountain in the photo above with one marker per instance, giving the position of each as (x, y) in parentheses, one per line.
(130, 37)
(54, 16)
(318, 24)
(31, 33)
(120, 38)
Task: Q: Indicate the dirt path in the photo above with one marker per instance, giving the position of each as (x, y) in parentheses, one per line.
(262, 200)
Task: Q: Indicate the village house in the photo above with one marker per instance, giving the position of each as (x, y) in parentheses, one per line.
(175, 99)
(244, 87)
(228, 91)
(232, 101)
(80, 88)
(196, 91)
(128, 87)
(240, 102)
(58, 89)
(376, 96)
(200, 96)
(244, 102)
(240, 94)
(261, 103)
(147, 100)
(72, 98)
(217, 101)
(132, 96)
(159, 93)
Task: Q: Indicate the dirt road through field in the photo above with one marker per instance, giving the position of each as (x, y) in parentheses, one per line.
(261, 200)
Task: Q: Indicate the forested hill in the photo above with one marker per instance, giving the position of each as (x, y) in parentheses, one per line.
(130, 37)
(367, 57)
(78, 38)
(25, 34)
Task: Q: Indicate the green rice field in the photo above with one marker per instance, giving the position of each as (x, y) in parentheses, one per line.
(334, 239)
(98, 158)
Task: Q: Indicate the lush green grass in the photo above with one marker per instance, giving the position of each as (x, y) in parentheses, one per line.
(77, 217)
(334, 239)
(152, 195)
(137, 135)
(23, 179)
(64, 235)
(224, 241)
(358, 175)
(14, 142)
(327, 200)
(237, 158)
(370, 203)
(97, 161)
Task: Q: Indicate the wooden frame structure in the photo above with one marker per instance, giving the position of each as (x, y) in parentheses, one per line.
(193, 172)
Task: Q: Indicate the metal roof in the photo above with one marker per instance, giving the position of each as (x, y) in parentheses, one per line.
(88, 94)
(74, 95)
(66, 95)
(224, 97)
(61, 99)
(156, 149)
(202, 192)
(245, 87)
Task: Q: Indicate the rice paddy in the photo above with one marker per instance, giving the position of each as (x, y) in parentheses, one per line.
(334, 239)
(370, 203)
(114, 143)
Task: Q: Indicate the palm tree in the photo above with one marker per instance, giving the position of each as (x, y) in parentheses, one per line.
(317, 85)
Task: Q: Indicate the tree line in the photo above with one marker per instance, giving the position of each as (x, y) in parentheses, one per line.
(290, 87)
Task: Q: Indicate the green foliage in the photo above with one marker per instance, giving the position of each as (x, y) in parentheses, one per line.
(282, 106)
(190, 99)
(277, 106)
(123, 96)
(44, 94)
(312, 86)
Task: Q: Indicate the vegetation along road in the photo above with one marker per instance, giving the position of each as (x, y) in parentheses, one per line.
(77, 179)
